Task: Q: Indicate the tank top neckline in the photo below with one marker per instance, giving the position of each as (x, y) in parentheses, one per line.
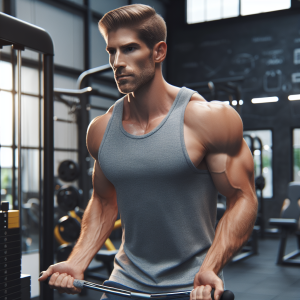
(120, 115)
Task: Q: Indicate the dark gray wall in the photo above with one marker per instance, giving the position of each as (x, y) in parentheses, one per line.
(260, 48)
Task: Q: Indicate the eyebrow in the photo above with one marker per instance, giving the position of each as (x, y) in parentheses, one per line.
(124, 46)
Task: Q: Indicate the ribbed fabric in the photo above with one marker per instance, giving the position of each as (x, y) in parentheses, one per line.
(167, 205)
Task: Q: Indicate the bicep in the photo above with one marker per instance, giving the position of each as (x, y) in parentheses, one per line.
(233, 175)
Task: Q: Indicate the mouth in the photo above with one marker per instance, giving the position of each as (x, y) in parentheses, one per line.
(121, 77)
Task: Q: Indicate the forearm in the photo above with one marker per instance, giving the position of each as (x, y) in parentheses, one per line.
(233, 231)
(97, 224)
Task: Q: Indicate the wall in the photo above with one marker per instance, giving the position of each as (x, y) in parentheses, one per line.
(262, 49)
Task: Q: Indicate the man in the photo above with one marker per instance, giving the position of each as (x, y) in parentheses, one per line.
(161, 154)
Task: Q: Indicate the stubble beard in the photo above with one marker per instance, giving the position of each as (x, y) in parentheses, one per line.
(137, 81)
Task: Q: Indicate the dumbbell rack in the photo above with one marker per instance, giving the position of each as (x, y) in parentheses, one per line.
(13, 285)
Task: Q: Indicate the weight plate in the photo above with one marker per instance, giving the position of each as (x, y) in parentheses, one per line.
(68, 170)
(69, 229)
(68, 198)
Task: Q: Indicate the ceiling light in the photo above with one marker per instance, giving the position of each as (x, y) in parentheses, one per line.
(264, 100)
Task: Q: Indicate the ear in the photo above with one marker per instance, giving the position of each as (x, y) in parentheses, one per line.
(160, 52)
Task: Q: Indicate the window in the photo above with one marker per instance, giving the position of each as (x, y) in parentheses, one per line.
(266, 170)
(208, 10)
(250, 7)
(296, 154)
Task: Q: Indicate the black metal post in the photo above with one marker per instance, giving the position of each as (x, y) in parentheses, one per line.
(47, 209)
(83, 115)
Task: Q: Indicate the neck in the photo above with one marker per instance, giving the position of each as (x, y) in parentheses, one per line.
(151, 101)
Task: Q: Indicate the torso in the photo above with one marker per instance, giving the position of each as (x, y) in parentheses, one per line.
(194, 147)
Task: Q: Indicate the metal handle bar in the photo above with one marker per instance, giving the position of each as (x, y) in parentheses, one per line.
(227, 295)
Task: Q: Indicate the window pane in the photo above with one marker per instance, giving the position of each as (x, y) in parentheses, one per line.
(296, 150)
(195, 11)
(5, 118)
(62, 111)
(6, 157)
(30, 172)
(230, 8)
(65, 135)
(6, 175)
(249, 7)
(5, 75)
(30, 121)
(267, 168)
(30, 199)
(29, 80)
(213, 10)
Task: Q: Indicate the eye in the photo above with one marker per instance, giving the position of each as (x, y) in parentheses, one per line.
(111, 51)
(129, 49)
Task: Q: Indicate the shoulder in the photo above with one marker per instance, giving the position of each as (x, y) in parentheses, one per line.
(217, 124)
(95, 132)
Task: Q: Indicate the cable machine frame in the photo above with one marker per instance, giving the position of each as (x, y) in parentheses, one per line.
(24, 35)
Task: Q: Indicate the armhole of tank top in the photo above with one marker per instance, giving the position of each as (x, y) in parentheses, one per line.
(106, 131)
(183, 146)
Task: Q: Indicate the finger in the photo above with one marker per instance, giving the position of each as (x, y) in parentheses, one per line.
(58, 282)
(193, 294)
(45, 274)
(71, 287)
(218, 294)
(199, 292)
(64, 283)
(219, 289)
(207, 292)
(53, 280)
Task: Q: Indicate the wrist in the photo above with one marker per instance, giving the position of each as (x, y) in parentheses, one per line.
(77, 262)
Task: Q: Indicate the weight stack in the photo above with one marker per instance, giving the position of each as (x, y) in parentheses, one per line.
(11, 283)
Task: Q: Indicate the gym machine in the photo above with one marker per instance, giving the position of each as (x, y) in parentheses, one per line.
(229, 86)
(69, 198)
(21, 35)
(289, 223)
(260, 181)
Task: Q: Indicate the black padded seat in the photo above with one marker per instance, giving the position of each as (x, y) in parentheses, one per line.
(288, 223)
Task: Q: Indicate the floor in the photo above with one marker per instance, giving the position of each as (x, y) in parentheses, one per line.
(256, 278)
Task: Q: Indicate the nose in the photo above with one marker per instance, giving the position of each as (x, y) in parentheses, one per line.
(118, 61)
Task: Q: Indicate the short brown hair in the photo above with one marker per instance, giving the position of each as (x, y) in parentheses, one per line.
(150, 26)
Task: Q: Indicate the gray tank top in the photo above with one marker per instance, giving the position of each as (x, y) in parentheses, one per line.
(167, 205)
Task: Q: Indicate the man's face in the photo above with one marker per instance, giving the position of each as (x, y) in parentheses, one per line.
(130, 59)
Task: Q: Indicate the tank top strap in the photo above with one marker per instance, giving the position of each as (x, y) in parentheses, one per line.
(118, 108)
(184, 97)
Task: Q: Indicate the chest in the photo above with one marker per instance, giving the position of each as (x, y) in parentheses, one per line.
(194, 147)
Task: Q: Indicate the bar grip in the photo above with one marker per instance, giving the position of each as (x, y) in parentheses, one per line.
(227, 295)
(78, 283)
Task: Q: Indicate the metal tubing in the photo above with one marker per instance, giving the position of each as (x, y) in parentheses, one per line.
(90, 72)
(19, 64)
(282, 246)
(13, 128)
(47, 207)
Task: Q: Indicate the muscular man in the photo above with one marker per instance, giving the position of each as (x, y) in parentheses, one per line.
(161, 154)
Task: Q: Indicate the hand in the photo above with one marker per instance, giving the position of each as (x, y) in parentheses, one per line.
(62, 277)
(204, 282)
